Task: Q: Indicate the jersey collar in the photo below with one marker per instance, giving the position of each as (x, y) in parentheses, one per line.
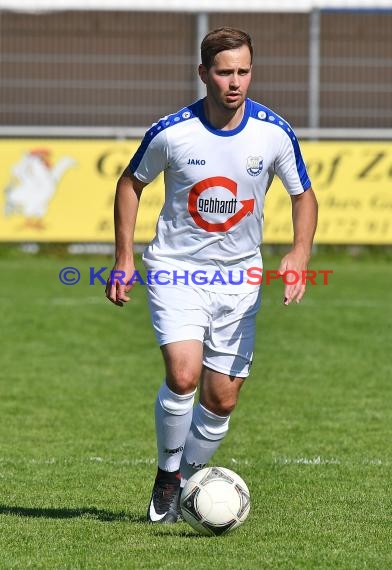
(199, 112)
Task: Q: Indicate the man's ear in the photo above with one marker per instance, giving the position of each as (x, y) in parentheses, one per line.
(203, 73)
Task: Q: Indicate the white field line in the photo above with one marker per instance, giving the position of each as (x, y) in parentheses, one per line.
(307, 461)
(76, 460)
(327, 461)
(283, 460)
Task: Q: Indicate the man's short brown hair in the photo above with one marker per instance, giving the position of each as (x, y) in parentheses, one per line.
(223, 39)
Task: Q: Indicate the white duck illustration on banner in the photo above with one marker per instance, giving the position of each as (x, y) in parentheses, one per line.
(33, 185)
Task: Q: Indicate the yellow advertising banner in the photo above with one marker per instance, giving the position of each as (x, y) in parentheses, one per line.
(63, 190)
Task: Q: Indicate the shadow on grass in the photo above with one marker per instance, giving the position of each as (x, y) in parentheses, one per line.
(86, 513)
(181, 529)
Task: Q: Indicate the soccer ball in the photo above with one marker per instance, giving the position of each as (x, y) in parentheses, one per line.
(215, 501)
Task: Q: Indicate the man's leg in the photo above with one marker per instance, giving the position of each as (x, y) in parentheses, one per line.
(218, 398)
(173, 417)
(227, 356)
(174, 404)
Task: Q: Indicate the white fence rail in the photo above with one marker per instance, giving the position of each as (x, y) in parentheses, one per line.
(122, 133)
(195, 6)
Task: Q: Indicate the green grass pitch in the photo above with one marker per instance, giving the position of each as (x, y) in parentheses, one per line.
(311, 435)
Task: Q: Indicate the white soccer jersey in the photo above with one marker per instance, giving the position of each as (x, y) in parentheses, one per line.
(215, 186)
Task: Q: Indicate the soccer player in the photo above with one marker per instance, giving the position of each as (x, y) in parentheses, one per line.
(219, 156)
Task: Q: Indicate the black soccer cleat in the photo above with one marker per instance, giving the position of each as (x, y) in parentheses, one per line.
(179, 512)
(165, 496)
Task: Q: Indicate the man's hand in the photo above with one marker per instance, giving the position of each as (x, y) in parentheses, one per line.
(296, 261)
(304, 213)
(117, 285)
(126, 203)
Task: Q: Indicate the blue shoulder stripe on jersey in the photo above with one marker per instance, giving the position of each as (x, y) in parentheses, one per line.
(163, 123)
(262, 113)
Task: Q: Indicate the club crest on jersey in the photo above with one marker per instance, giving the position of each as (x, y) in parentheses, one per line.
(254, 165)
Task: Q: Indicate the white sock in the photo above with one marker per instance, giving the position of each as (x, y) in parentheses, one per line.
(173, 417)
(206, 433)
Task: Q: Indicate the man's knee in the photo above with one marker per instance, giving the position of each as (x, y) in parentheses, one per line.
(219, 393)
(183, 381)
(220, 406)
(183, 362)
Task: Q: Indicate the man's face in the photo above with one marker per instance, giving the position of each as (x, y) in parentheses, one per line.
(228, 79)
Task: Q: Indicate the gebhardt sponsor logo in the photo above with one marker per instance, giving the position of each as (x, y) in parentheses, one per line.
(216, 206)
(199, 205)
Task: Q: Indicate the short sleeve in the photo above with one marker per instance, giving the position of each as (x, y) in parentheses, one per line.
(290, 166)
(151, 158)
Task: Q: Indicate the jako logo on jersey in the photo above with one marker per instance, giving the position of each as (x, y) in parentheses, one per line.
(196, 161)
(254, 165)
(198, 206)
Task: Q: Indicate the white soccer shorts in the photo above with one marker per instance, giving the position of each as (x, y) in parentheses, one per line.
(224, 323)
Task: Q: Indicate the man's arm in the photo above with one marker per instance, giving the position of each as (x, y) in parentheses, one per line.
(126, 204)
(304, 214)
